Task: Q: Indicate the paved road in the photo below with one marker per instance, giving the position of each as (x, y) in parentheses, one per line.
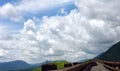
(99, 67)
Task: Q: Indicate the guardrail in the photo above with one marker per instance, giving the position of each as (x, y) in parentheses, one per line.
(113, 66)
(79, 67)
(85, 66)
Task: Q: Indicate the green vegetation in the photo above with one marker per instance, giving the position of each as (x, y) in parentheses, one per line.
(86, 60)
(60, 63)
(112, 54)
(37, 69)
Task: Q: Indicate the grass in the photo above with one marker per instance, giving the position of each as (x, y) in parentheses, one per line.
(37, 69)
(59, 63)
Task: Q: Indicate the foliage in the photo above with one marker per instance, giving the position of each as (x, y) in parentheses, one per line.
(111, 54)
(60, 63)
(86, 60)
(37, 69)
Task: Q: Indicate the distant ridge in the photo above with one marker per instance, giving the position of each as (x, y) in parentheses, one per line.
(13, 65)
(112, 54)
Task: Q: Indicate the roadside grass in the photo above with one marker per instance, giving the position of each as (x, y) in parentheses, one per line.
(37, 69)
(59, 63)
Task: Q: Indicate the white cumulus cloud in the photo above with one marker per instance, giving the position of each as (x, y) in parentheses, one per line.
(9, 11)
(17, 10)
(83, 33)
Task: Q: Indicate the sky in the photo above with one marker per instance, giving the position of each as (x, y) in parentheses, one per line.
(72, 30)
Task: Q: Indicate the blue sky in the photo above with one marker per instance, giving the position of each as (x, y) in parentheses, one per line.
(73, 30)
(30, 15)
(2, 2)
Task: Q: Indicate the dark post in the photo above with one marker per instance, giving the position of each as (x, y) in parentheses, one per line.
(47, 67)
(68, 65)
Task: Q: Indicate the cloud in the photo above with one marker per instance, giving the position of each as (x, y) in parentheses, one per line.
(9, 11)
(32, 6)
(2, 52)
(104, 10)
(83, 33)
(29, 27)
(18, 10)
(4, 30)
(63, 11)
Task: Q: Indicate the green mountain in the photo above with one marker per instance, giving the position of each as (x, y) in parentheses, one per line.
(112, 54)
